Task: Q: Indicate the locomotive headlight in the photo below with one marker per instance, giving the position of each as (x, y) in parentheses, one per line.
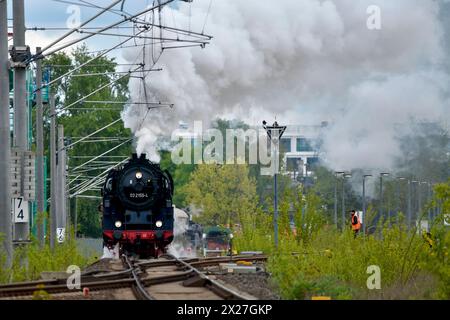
(159, 224)
(118, 224)
(138, 175)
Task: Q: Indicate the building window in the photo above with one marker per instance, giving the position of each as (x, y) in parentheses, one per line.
(285, 145)
(303, 145)
(311, 163)
(294, 164)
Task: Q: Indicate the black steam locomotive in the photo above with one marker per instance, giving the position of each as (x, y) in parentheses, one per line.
(137, 208)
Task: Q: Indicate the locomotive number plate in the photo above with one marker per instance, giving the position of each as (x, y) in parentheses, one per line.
(138, 195)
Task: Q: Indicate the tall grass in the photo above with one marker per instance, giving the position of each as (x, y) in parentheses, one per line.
(30, 260)
(321, 260)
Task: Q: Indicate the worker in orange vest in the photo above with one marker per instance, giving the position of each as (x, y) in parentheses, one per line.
(356, 222)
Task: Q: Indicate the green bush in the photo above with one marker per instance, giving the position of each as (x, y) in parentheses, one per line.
(29, 261)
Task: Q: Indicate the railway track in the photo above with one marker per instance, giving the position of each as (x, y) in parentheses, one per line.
(167, 278)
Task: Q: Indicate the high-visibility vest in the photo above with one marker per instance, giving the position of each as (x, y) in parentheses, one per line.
(356, 226)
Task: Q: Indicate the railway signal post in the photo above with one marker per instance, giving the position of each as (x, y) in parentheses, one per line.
(275, 132)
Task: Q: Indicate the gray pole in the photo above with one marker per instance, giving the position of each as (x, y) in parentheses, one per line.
(409, 204)
(275, 216)
(389, 198)
(335, 201)
(64, 200)
(5, 139)
(381, 197)
(276, 144)
(60, 176)
(436, 207)
(414, 209)
(275, 132)
(20, 104)
(364, 202)
(75, 222)
(429, 199)
(419, 200)
(343, 203)
(398, 200)
(39, 149)
(53, 222)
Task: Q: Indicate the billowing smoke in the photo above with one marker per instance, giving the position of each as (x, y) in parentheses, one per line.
(303, 61)
(181, 246)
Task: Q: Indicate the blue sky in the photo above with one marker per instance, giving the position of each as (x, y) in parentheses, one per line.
(51, 13)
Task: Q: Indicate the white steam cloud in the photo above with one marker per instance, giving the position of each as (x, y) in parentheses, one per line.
(303, 61)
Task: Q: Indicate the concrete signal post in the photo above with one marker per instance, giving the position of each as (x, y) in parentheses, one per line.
(5, 140)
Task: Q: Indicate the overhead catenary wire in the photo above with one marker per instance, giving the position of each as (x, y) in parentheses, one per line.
(35, 28)
(97, 179)
(144, 37)
(100, 88)
(106, 152)
(130, 102)
(89, 5)
(93, 133)
(91, 65)
(207, 15)
(103, 140)
(70, 43)
(85, 63)
(95, 109)
(97, 90)
(88, 157)
(109, 73)
(83, 24)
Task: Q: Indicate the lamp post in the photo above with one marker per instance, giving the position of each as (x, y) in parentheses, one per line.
(275, 132)
(419, 196)
(364, 200)
(409, 205)
(413, 181)
(429, 199)
(383, 174)
(336, 174)
(398, 198)
(420, 201)
(344, 176)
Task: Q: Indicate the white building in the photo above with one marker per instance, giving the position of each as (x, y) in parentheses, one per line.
(300, 145)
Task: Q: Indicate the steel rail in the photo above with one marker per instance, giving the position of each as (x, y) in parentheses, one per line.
(213, 285)
(138, 288)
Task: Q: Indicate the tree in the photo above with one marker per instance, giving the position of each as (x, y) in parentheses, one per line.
(180, 174)
(223, 193)
(425, 153)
